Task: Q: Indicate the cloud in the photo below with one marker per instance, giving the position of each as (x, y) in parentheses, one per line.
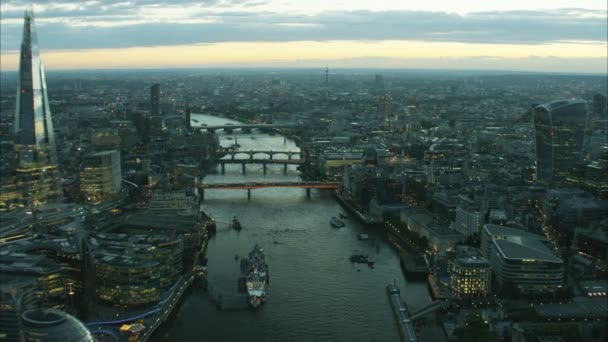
(136, 23)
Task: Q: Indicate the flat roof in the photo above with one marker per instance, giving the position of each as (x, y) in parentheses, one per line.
(497, 230)
(525, 250)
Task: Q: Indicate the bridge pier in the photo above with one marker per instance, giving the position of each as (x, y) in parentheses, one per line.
(249, 194)
(232, 155)
(289, 155)
(307, 192)
(202, 195)
(244, 170)
(284, 169)
(223, 166)
(264, 167)
(271, 154)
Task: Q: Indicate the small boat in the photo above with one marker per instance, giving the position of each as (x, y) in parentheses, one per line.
(236, 257)
(362, 259)
(236, 225)
(336, 222)
(363, 237)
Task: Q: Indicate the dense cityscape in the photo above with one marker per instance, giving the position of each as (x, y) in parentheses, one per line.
(413, 205)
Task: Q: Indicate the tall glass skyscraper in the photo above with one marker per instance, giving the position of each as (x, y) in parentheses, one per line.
(36, 176)
(559, 130)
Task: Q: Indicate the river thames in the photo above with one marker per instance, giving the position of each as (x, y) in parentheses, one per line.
(315, 293)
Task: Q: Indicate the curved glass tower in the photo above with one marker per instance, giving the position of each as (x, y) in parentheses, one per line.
(37, 177)
(559, 130)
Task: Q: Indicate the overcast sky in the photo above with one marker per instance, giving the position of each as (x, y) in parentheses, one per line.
(542, 35)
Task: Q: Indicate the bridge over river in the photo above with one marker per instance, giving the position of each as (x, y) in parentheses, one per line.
(265, 185)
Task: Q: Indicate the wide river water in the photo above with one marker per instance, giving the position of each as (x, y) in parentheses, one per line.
(315, 293)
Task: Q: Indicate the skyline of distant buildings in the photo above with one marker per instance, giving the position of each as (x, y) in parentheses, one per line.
(500, 201)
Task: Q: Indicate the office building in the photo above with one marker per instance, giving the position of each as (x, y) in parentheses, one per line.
(522, 259)
(468, 220)
(101, 176)
(155, 99)
(45, 277)
(16, 297)
(439, 235)
(560, 128)
(37, 178)
(470, 274)
(132, 270)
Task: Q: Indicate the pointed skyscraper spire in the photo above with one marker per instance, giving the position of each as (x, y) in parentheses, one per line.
(37, 174)
(33, 122)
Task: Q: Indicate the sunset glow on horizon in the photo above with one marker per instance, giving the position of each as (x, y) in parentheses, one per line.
(285, 33)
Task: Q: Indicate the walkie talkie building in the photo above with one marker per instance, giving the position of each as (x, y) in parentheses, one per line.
(559, 130)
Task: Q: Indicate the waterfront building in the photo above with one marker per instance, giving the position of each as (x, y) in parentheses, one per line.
(169, 202)
(521, 258)
(439, 235)
(50, 325)
(37, 177)
(560, 128)
(132, 270)
(470, 274)
(123, 281)
(332, 163)
(183, 224)
(101, 176)
(155, 99)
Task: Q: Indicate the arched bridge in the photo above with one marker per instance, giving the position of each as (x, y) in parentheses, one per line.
(270, 153)
(259, 185)
(264, 162)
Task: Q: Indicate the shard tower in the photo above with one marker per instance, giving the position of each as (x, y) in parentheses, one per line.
(37, 178)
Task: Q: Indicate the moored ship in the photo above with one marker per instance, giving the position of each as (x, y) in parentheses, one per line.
(256, 273)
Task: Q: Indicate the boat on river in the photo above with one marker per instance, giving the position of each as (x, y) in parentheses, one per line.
(336, 222)
(256, 275)
(236, 225)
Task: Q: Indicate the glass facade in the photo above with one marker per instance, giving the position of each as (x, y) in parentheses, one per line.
(101, 176)
(470, 277)
(559, 129)
(36, 175)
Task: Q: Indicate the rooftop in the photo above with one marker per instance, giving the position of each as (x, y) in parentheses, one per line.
(526, 250)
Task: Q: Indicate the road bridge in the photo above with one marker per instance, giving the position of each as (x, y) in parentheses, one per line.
(260, 185)
(264, 162)
(270, 153)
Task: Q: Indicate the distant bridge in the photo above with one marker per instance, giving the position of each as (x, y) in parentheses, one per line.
(259, 185)
(264, 162)
(246, 127)
(270, 154)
